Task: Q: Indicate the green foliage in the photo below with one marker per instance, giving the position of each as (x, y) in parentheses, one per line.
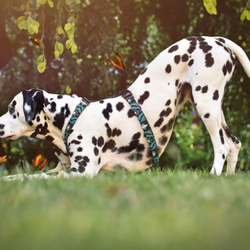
(41, 63)
(151, 210)
(210, 6)
(245, 15)
(59, 48)
(29, 24)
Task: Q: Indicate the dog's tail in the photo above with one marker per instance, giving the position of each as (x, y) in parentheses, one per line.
(241, 55)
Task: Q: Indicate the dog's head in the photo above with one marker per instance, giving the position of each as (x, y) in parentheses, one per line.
(22, 114)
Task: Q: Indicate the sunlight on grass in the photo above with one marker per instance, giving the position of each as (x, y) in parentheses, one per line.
(181, 209)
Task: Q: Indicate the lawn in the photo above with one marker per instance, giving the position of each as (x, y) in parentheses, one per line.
(149, 210)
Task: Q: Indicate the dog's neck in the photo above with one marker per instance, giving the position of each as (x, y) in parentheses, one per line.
(55, 117)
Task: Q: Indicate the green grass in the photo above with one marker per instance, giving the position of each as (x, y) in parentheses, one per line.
(150, 210)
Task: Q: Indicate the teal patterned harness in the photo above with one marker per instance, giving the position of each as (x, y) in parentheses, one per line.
(145, 125)
(79, 109)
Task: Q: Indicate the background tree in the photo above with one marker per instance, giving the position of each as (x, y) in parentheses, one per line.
(78, 37)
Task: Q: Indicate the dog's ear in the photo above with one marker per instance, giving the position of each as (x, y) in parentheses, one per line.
(33, 102)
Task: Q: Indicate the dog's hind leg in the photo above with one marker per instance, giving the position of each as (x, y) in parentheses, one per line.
(234, 144)
(208, 105)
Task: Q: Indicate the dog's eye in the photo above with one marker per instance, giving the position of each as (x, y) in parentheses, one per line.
(11, 109)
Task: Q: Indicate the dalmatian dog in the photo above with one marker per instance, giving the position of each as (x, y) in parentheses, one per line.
(108, 133)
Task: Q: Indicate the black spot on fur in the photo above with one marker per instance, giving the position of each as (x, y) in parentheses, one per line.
(168, 102)
(136, 136)
(52, 107)
(96, 151)
(82, 162)
(60, 117)
(221, 136)
(205, 47)
(168, 69)
(59, 96)
(75, 142)
(100, 141)
(204, 89)
(226, 49)
(163, 140)
(221, 40)
(219, 43)
(177, 59)
(144, 71)
(94, 141)
(159, 122)
(2, 126)
(109, 131)
(81, 168)
(112, 133)
(2, 133)
(79, 137)
(191, 62)
(198, 88)
(119, 106)
(176, 82)
(193, 44)
(223, 157)
(216, 95)
(168, 126)
(230, 135)
(109, 145)
(107, 111)
(184, 58)
(173, 48)
(116, 132)
(79, 149)
(133, 145)
(143, 97)
(135, 157)
(209, 60)
(229, 67)
(224, 70)
(166, 112)
(49, 138)
(130, 113)
(41, 130)
(147, 80)
(207, 115)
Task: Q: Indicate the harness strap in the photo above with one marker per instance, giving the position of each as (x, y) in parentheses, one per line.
(145, 125)
(78, 110)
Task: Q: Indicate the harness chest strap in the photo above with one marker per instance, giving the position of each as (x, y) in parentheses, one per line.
(78, 110)
(145, 125)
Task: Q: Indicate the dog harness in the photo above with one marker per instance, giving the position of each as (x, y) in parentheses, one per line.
(128, 96)
(79, 109)
(145, 125)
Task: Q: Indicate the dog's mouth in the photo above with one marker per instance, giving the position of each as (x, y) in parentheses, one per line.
(11, 137)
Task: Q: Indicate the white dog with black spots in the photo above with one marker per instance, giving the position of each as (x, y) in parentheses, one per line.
(108, 134)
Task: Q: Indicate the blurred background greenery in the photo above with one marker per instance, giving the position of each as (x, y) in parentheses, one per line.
(138, 30)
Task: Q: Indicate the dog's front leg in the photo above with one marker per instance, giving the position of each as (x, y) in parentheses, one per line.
(63, 162)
